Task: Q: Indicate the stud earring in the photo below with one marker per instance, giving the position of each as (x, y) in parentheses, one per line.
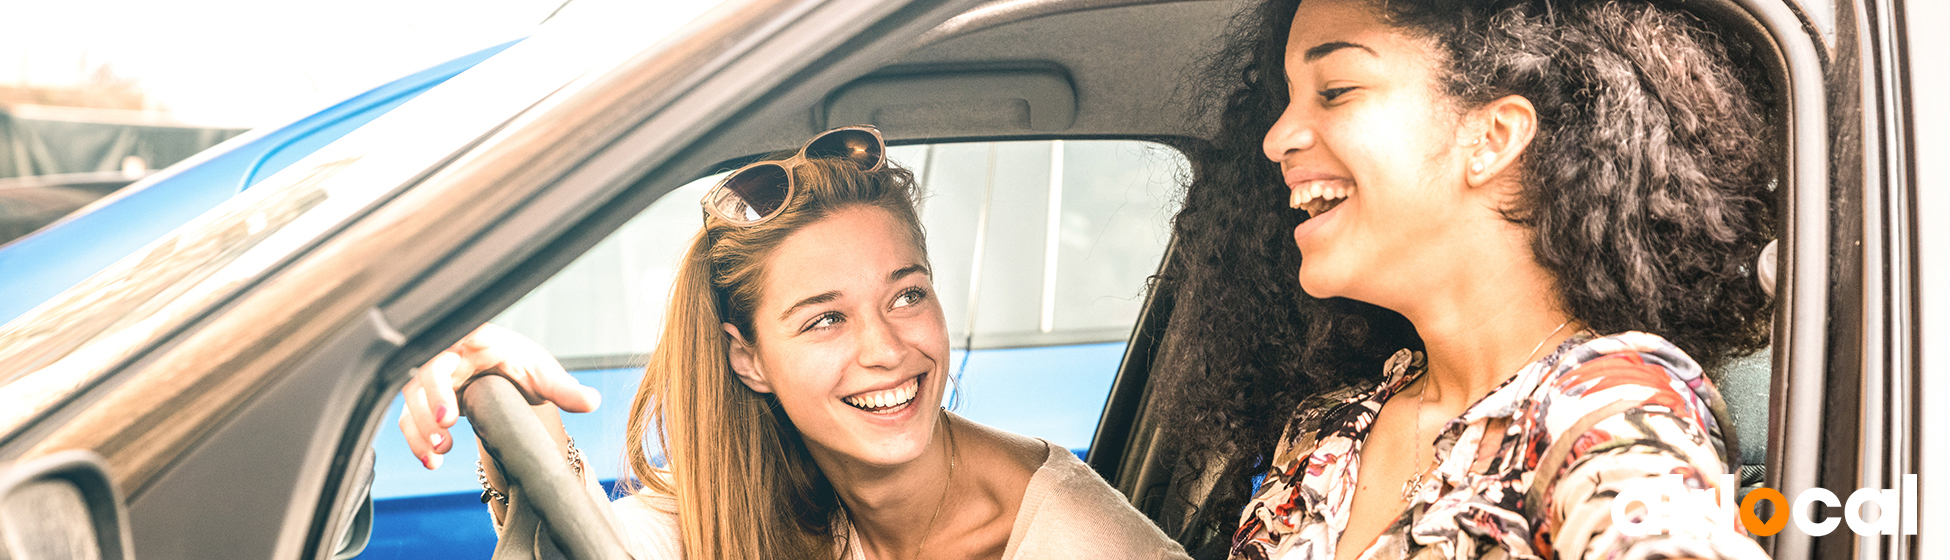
(1476, 167)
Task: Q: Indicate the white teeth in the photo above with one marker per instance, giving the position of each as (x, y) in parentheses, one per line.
(1324, 189)
(888, 398)
(1315, 196)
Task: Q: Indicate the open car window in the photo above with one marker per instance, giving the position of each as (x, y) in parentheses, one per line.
(1041, 250)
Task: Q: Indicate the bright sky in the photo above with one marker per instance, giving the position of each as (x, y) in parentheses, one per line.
(250, 62)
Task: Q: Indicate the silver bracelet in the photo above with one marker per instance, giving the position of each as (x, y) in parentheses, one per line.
(489, 493)
(487, 490)
(575, 457)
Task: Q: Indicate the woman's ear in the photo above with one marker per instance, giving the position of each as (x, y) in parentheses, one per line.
(1508, 125)
(744, 362)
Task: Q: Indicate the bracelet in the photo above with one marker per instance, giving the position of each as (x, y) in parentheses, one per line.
(489, 493)
(575, 457)
(487, 490)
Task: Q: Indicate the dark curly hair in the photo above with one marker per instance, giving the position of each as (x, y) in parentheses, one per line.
(1648, 189)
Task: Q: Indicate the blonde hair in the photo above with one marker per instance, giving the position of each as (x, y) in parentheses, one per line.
(745, 485)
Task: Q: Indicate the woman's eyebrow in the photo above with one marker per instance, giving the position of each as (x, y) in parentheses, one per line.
(828, 297)
(1325, 49)
(906, 271)
(815, 300)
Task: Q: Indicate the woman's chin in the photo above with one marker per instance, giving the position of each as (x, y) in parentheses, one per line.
(1319, 285)
(894, 445)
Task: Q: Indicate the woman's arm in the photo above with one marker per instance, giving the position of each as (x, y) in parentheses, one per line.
(552, 421)
(647, 523)
(432, 408)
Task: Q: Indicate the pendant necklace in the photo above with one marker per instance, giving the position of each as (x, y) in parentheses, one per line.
(1422, 400)
(952, 451)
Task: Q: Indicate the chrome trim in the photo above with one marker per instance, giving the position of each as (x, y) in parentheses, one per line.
(1800, 327)
(1898, 252)
(1873, 442)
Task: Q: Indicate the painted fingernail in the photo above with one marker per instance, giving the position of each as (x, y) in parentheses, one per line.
(425, 463)
(436, 440)
(440, 413)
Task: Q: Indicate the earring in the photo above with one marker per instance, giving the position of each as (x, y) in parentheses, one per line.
(1476, 167)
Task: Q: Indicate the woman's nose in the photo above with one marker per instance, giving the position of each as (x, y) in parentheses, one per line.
(880, 344)
(1292, 133)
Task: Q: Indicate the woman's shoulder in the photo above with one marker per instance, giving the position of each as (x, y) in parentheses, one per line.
(1025, 454)
(649, 505)
(1622, 376)
(1652, 349)
(1068, 511)
(1627, 367)
(648, 521)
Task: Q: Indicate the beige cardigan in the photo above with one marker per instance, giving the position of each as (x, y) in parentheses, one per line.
(1067, 512)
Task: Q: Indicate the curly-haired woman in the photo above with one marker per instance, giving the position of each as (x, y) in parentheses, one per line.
(1521, 230)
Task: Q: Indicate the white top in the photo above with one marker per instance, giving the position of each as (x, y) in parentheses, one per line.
(1067, 512)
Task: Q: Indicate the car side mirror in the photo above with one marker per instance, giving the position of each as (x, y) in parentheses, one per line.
(62, 506)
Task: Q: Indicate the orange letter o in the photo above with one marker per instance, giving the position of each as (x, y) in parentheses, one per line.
(1752, 520)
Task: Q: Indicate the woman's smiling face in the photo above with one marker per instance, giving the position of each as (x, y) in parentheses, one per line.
(850, 338)
(1369, 148)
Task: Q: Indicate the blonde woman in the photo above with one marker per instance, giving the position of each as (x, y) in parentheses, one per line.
(796, 392)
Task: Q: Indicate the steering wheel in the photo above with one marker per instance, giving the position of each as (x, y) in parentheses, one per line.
(542, 492)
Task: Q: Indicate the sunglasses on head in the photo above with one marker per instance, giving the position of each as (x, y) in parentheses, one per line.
(759, 191)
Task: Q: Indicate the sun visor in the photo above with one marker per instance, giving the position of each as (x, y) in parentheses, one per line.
(1039, 98)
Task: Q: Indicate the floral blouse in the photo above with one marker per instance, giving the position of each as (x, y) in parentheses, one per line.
(1652, 413)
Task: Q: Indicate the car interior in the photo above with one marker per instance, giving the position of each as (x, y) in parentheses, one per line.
(1023, 74)
(1030, 76)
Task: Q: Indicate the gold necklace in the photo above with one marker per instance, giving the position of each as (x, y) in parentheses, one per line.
(953, 450)
(1422, 400)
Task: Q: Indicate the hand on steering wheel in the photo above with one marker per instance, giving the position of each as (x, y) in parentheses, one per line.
(431, 407)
